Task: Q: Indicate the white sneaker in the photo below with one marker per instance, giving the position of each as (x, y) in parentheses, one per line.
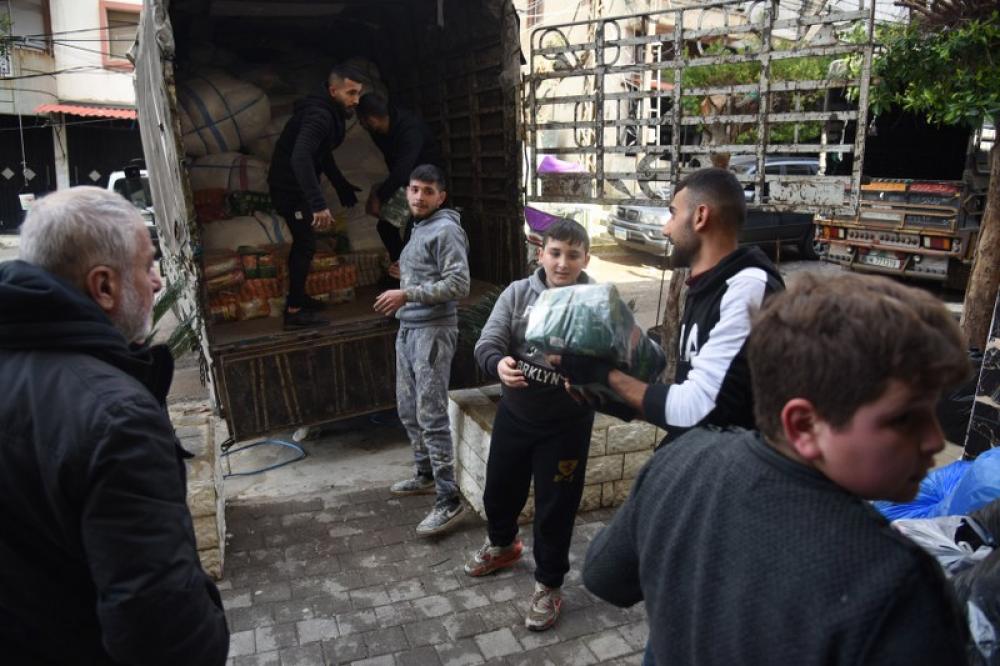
(302, 434)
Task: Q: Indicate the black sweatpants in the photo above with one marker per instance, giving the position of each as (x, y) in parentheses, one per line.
(298, 217)
(555, 455)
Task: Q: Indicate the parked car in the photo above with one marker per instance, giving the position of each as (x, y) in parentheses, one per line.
(133, 184)
(746, 165)
(641, 228)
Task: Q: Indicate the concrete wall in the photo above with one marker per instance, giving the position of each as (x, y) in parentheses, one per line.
(110, 80)
(21, 95)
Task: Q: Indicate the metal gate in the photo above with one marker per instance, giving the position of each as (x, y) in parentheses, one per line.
(98, 148)
(635, 102)
(38, 176)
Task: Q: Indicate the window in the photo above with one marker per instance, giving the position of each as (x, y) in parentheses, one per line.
(535, 13)
(119, 25)
(122, 27)
(799, 170)
(28, 24)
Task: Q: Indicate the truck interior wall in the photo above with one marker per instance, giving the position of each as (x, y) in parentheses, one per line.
(451, 74)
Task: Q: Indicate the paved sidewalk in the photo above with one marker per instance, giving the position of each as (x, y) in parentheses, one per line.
(343, 578)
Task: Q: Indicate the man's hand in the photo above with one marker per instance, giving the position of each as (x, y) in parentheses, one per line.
(322, 220)
(394, 270)
(510, 374)
(373, 206)
(347, 196)
(389, 301)
(581, 370)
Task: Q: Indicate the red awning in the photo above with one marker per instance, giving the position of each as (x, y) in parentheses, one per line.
(89, 110)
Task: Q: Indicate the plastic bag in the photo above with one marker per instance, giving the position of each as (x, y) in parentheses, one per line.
(979, 486)
(957, 542)
(549, 164)
(593, 320)
(934, 489)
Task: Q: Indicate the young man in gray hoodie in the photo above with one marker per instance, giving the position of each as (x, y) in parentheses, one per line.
(434, 275)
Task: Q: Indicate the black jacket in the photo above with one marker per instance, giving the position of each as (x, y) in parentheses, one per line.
(712, 385)
(304, 150)
(408, 144)
(744, 556)
(97, 551)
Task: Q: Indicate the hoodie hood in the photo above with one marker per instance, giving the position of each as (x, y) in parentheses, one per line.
(439, 216)
(743, 257)
(537, 280)
(40, 311)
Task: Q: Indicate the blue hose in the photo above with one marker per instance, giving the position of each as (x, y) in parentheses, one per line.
(275, 442)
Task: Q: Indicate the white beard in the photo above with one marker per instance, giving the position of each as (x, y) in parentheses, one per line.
(131, 320)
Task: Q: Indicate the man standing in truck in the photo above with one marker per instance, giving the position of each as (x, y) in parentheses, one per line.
(434, 275)
(303, 151)
(405, 141)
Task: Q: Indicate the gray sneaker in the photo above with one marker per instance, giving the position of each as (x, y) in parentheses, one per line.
(441, 519)
(418, 485)
(546, 603)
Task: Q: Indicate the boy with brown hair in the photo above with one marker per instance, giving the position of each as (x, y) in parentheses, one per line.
(760, 548)
(539, 433)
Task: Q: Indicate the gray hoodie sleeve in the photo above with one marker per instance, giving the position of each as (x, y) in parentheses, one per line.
(494, 341)
(451, 250)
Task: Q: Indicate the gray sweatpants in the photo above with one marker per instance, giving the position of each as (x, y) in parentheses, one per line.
(423, 365)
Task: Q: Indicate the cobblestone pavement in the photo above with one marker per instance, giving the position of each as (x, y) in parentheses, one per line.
(343, 578)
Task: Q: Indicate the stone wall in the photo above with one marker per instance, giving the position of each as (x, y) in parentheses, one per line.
(196, 429)
(617, 451)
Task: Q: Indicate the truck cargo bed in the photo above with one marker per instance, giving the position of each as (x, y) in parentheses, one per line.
(273, 380)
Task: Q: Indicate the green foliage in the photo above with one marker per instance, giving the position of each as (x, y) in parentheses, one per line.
(950, 74)
(471, 319)
(183, 338)
(806, 68)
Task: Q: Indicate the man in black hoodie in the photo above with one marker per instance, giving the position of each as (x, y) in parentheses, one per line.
(405, 141)
(712, 384)
(98, 563)
(303, 151)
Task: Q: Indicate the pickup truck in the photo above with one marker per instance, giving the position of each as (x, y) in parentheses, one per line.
(133, 184)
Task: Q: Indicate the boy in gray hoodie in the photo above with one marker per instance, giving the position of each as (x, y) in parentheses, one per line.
(539, 432)
(434, 275)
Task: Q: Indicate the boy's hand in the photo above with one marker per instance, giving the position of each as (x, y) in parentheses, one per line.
(394, 270)
(510, 374)
(389, 301)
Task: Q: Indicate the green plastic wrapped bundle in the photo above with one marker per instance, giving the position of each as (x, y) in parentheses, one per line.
(593, 320)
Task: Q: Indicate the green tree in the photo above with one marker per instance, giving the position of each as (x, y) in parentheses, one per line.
(945, 64)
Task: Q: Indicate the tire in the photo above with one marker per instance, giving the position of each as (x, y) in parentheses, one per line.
(808, 247)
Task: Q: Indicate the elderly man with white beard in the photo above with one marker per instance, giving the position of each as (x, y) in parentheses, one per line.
(98, 563)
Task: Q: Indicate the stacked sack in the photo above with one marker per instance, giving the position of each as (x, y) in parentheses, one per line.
(251, 282)
(244, 284)
(330, 280)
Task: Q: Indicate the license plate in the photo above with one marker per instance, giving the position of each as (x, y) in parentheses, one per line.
(621, 234)
(880, 260)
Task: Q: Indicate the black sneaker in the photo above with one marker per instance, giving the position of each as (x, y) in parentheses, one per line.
(303, 319)
(310, 303)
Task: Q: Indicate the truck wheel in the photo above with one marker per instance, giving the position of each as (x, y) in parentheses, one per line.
(809, 248)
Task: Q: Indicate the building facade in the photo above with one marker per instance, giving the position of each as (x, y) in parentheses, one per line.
(67, 100)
